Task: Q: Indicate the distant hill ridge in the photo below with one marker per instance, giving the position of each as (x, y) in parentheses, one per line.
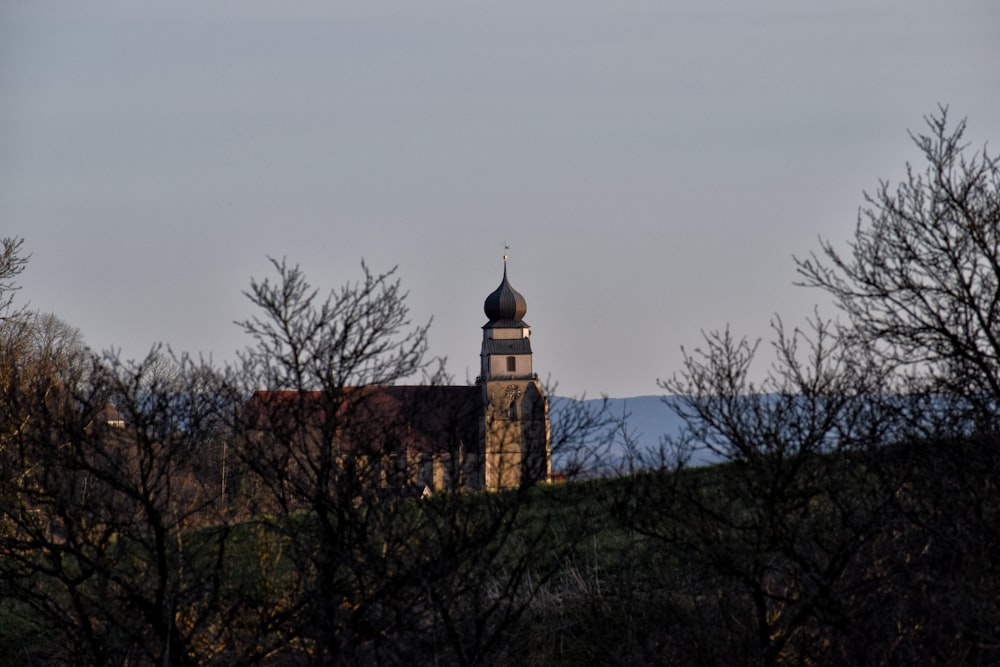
(648, 419)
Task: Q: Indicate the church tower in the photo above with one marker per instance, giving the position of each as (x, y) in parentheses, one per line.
(515, 422)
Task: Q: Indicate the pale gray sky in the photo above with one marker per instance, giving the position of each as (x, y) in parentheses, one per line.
(653, 165)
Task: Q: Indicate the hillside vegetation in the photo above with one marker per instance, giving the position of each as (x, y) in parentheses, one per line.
(886, 558)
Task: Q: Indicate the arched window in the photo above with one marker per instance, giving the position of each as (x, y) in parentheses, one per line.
(513, 409)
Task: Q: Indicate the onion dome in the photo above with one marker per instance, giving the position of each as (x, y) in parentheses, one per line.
(505, 303)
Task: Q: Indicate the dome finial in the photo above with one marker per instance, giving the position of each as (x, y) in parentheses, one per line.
(505, 303)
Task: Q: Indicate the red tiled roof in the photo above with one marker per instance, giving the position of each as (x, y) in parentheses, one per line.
(417, 418)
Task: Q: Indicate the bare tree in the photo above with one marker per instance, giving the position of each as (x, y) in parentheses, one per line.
(114, 534)
(765, 547)
(12, 262)
(359, 335)
(851, 517)
(14, 340)
(921, 279)
(920, 283)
